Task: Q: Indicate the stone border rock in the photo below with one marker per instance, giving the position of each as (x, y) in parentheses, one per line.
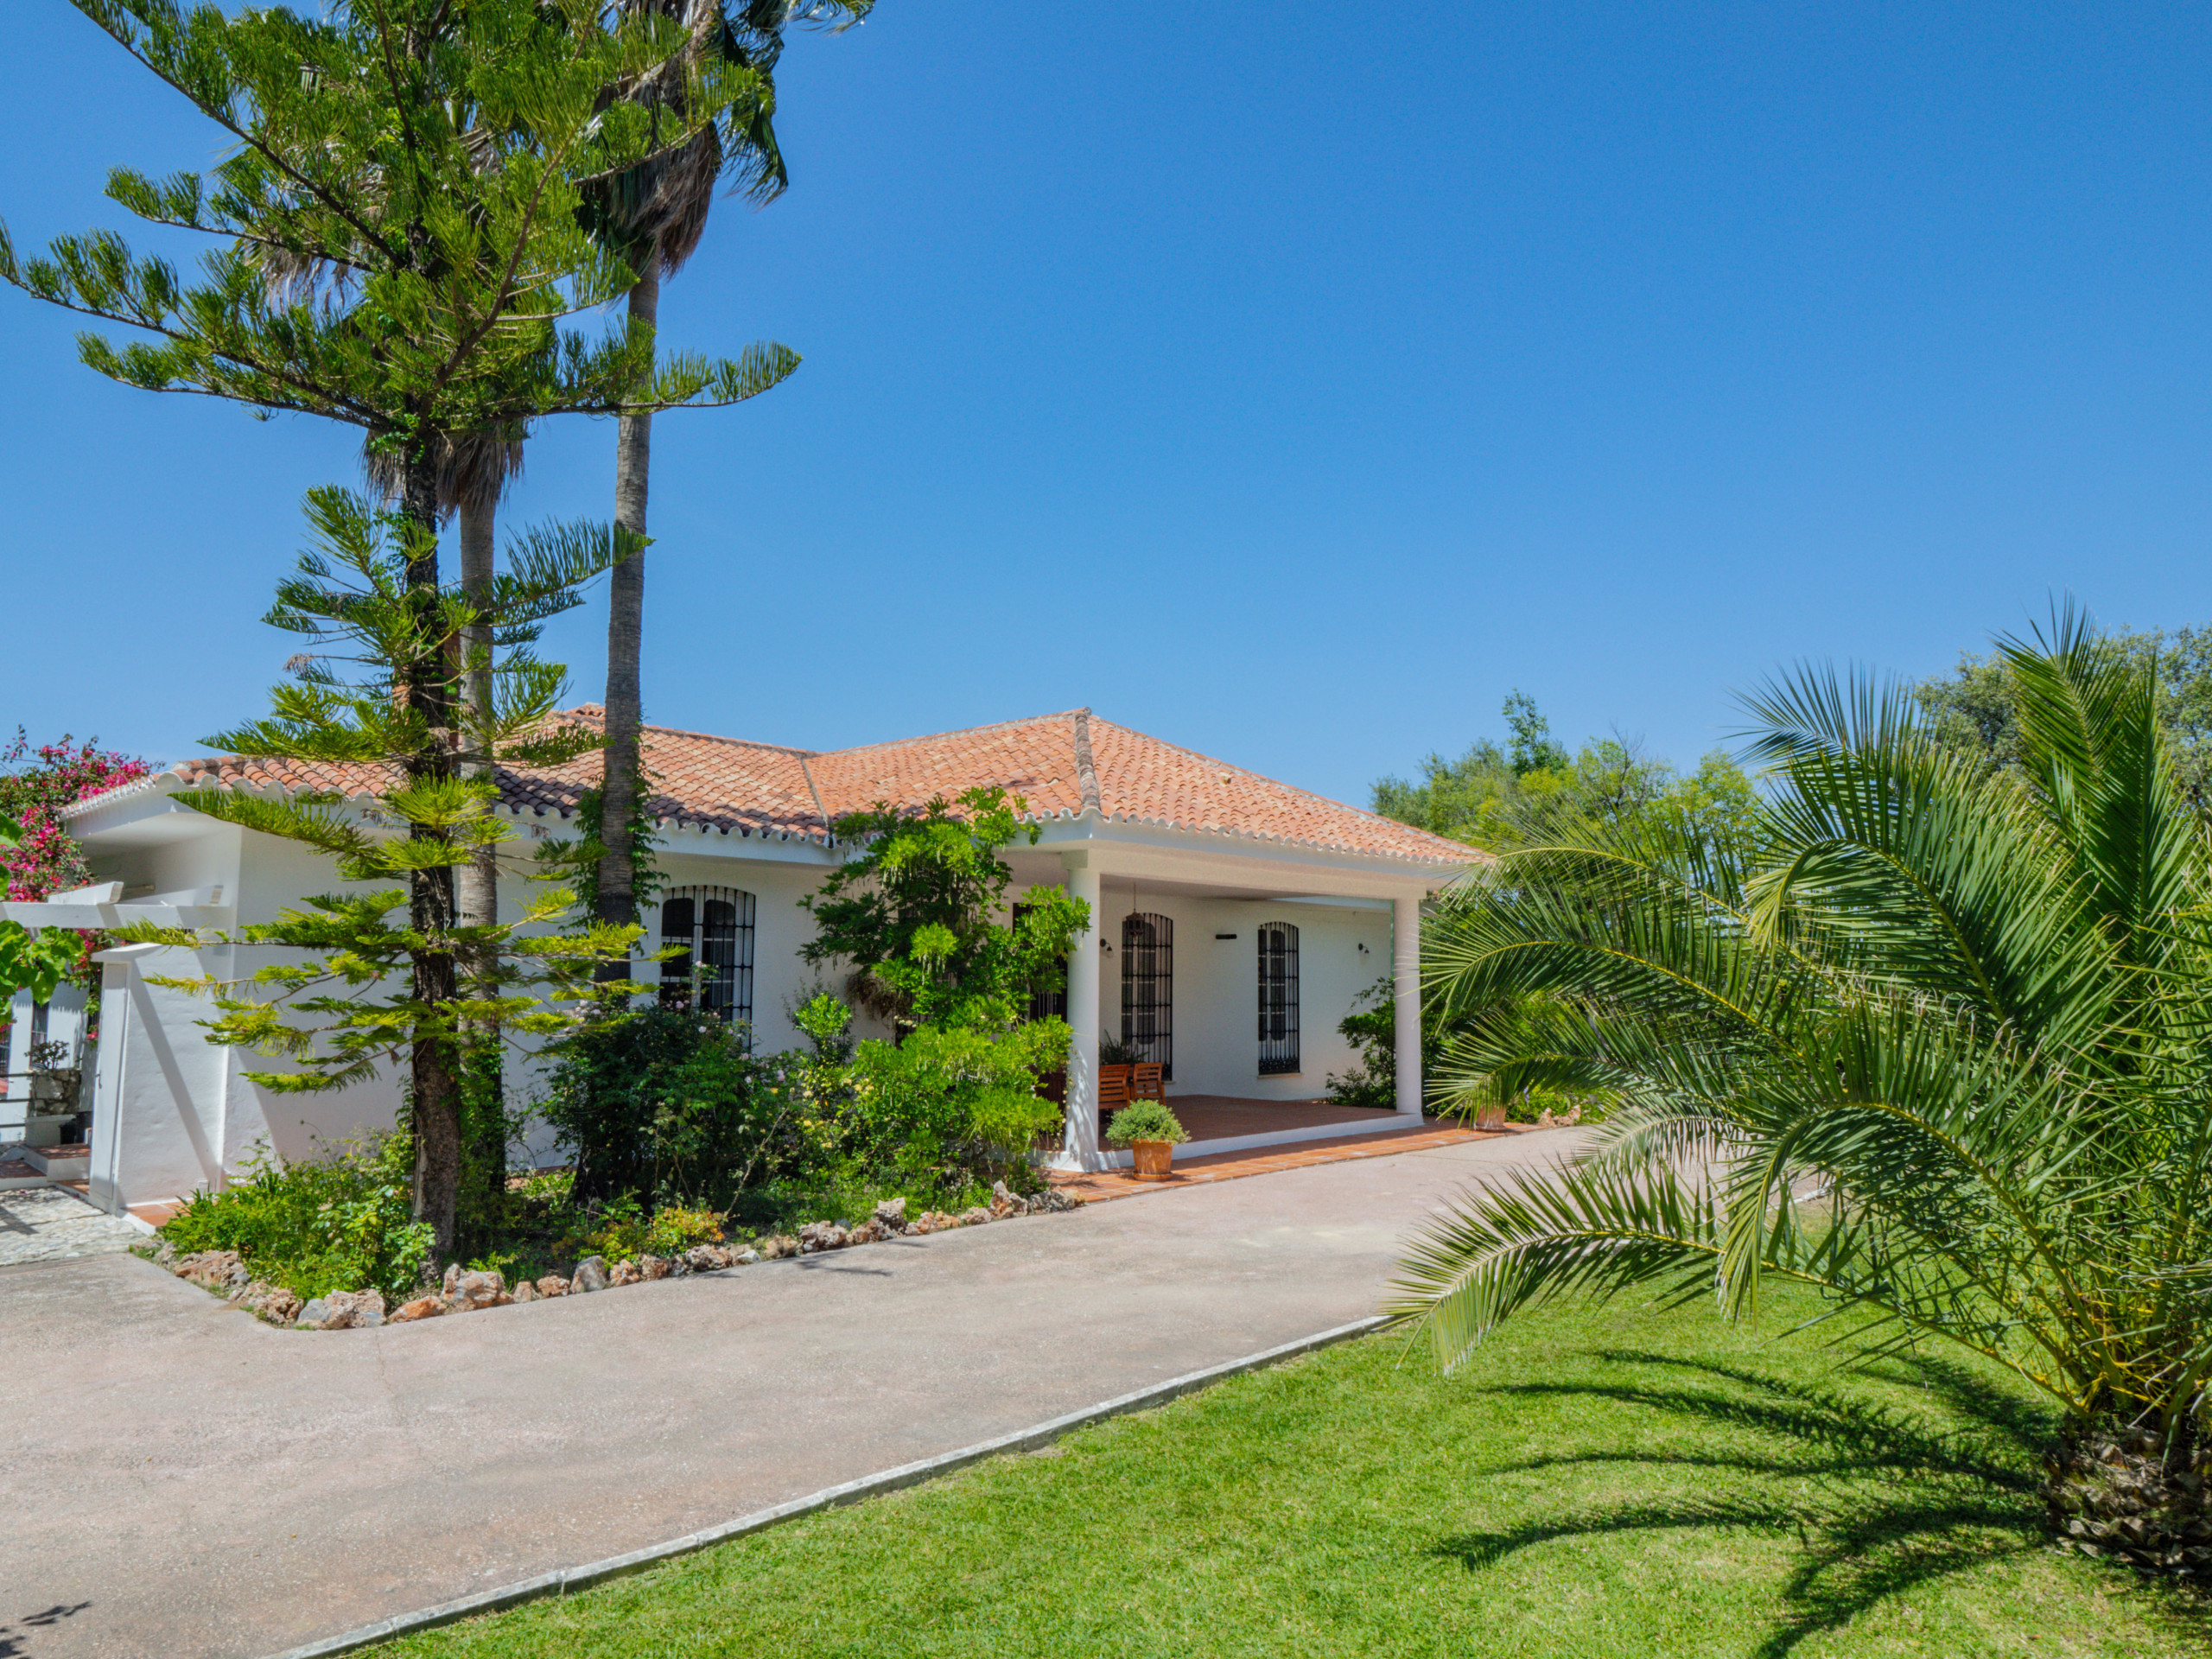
(565, 1581)
(465, 1291)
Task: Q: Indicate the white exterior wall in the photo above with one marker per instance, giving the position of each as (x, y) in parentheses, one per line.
(188, 1119)
(781, 979)
(276, 876)
(1216, 1008)
(160, 1090)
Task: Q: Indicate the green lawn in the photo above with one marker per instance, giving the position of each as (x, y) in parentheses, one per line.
(1604, 1482)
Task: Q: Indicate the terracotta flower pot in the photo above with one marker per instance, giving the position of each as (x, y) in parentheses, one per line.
(1155, 1159)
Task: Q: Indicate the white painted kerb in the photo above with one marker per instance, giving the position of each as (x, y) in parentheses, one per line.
(561, 1582)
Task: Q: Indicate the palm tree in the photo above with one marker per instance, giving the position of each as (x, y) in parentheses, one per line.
(1930, 1039)
(654, 215)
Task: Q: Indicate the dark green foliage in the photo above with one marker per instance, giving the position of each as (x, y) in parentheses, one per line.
(913, 913)
(1533, 791)
(1371, 1028)
(1973, 710)
(613, 1082)
(664, 1107)
(338, 1223)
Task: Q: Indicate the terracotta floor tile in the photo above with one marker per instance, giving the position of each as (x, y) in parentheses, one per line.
(1263, 1161)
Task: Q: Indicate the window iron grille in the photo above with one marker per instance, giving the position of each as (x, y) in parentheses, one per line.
(712, 929)
(1278, 999)
(1148, 989)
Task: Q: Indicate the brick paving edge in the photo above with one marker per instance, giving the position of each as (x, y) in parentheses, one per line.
(561, 1581)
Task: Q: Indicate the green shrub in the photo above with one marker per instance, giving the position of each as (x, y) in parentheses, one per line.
(613, 1083)
(621, 1228)
(669, 1109)
(1145, 1120)
(344, 1222)
(954, 1104)
(1371, 1029)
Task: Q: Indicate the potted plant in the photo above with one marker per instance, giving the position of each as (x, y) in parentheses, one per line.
(1151, 1133)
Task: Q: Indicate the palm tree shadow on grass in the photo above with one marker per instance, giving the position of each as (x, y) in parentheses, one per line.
(1895, 1501)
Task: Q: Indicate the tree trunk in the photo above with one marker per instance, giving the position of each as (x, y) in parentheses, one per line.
(428, 686)
(479, 894)
(617, 889)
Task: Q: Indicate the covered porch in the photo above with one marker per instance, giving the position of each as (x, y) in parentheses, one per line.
(1225, 1124)
(1225, 973)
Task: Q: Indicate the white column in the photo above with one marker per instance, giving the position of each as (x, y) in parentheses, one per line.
(1081, 1147)
(118, 964)
(1405, 980)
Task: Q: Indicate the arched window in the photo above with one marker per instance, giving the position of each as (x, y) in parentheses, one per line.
(1148, 989)
(713, 929)
(1278, 998)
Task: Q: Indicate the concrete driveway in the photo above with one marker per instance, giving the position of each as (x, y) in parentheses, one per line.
(183, 1480)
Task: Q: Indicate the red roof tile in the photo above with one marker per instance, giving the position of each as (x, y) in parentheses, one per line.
(1059, 763)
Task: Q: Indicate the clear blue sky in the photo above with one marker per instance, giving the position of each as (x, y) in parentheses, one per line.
(1288, 391)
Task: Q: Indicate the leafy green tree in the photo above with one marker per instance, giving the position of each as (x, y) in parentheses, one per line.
(913, 914)
(1496, 799)
(1928, 1039)
(652, 215)
(1531, 747)
(1973, 710)
(399, 245)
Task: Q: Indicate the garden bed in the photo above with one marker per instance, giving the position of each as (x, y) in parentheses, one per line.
(464, 1290)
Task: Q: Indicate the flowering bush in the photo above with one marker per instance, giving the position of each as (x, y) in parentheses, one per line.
(41, 857)
(47, 858)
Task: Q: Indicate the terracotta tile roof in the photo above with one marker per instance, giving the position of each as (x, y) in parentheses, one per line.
(1033, 758)
(699, 782)
(1059, 763)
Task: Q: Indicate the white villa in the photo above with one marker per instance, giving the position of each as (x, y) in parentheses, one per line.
(1235, 921)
